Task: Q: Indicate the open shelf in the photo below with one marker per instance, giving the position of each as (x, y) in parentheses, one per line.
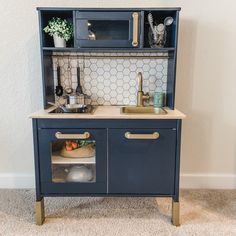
(158, 18)
(60, 173)
(57, 159)
(47, 40)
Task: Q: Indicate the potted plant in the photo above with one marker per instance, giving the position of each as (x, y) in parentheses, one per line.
(60, 29)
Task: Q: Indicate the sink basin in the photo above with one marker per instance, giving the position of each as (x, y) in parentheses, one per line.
(143, 110)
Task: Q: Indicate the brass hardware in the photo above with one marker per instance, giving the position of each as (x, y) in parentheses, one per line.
(85, 135)
(135, 29)
(154, 135)
(175, 213)
(39, 210)
(149, 110)
(141, 97)
(140, 82)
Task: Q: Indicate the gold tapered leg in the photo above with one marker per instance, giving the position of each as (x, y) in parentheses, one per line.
(39, 210)
(175, 213)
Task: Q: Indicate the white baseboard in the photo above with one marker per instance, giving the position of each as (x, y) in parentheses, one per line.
(10, 180)
(194, 181)
(208, 181)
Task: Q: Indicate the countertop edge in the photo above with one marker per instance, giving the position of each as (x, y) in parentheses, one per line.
(107, 112)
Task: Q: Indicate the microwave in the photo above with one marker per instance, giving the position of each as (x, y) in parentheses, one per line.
(107, 29)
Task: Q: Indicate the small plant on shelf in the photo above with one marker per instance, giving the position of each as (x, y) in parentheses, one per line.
(60, 29)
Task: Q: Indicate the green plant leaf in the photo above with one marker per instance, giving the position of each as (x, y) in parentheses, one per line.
(60, 27)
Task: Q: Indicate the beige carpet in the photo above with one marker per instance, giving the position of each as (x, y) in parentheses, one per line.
(203, 212)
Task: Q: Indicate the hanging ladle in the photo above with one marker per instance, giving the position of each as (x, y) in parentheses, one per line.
(168, 21)
(59, 88)
(69, 90)
(79, 89)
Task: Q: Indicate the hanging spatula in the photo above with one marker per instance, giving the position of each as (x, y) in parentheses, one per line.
(79, 89)
(59, 88)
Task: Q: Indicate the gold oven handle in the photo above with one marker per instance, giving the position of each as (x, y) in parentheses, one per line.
(135, 29)
(154, 135)
(85, 135)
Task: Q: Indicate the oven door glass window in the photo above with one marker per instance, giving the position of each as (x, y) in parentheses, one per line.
(73, 161)
(108, 30)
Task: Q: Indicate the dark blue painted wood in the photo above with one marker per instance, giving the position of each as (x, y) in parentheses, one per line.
(108, 50)
(171, 77)
(152, 164)
(83, 43)
(177, 163)
(104, 195)
(142, 29)
(71, 14)
(172, 63)
(48, 81)
(100, 123)
(73, 188)
(141, 166)
(46, 137)
(176, 30)
(47, 67)
(104, 15)
(36, 161)
(167, 127)
(74, 28)
(108, 9)
(81, 31)
(44, 61)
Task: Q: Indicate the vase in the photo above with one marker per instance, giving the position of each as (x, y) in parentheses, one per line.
(59, 42)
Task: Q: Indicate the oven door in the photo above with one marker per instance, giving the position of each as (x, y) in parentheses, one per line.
(73, 161)
(107, 29)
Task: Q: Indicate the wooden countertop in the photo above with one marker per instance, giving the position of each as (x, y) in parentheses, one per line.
(106, 112)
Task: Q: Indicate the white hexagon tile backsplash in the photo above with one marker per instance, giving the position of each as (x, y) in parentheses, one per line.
(112, 81)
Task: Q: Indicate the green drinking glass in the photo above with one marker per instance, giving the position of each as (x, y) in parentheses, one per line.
(158, 99)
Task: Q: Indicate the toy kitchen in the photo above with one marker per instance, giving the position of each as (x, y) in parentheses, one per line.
(109, 126)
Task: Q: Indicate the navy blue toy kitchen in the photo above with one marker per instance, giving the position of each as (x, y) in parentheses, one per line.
(90, 142)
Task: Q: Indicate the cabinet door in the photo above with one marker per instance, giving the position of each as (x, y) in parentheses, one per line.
(73, 160)
(141, 161)
(107, 29)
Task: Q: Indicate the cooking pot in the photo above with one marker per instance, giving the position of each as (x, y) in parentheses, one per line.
(71, 108)
(79, 173)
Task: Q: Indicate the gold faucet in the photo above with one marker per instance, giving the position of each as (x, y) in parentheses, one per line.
(141, 97)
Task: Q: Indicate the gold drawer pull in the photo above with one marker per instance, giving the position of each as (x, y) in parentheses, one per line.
(154, 135)
(135, 29)
(85, 135)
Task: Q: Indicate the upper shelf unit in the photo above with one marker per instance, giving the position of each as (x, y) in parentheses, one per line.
(114, 29)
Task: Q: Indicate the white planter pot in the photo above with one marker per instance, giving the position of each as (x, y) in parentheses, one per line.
(59, 42)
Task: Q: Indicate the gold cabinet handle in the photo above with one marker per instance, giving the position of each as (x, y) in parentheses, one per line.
(154, 135)
(85, 135)
(135, 29)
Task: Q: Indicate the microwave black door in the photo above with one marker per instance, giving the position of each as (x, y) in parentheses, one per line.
(107, 29)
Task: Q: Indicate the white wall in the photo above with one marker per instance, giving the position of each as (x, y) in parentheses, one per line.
(205, 87)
